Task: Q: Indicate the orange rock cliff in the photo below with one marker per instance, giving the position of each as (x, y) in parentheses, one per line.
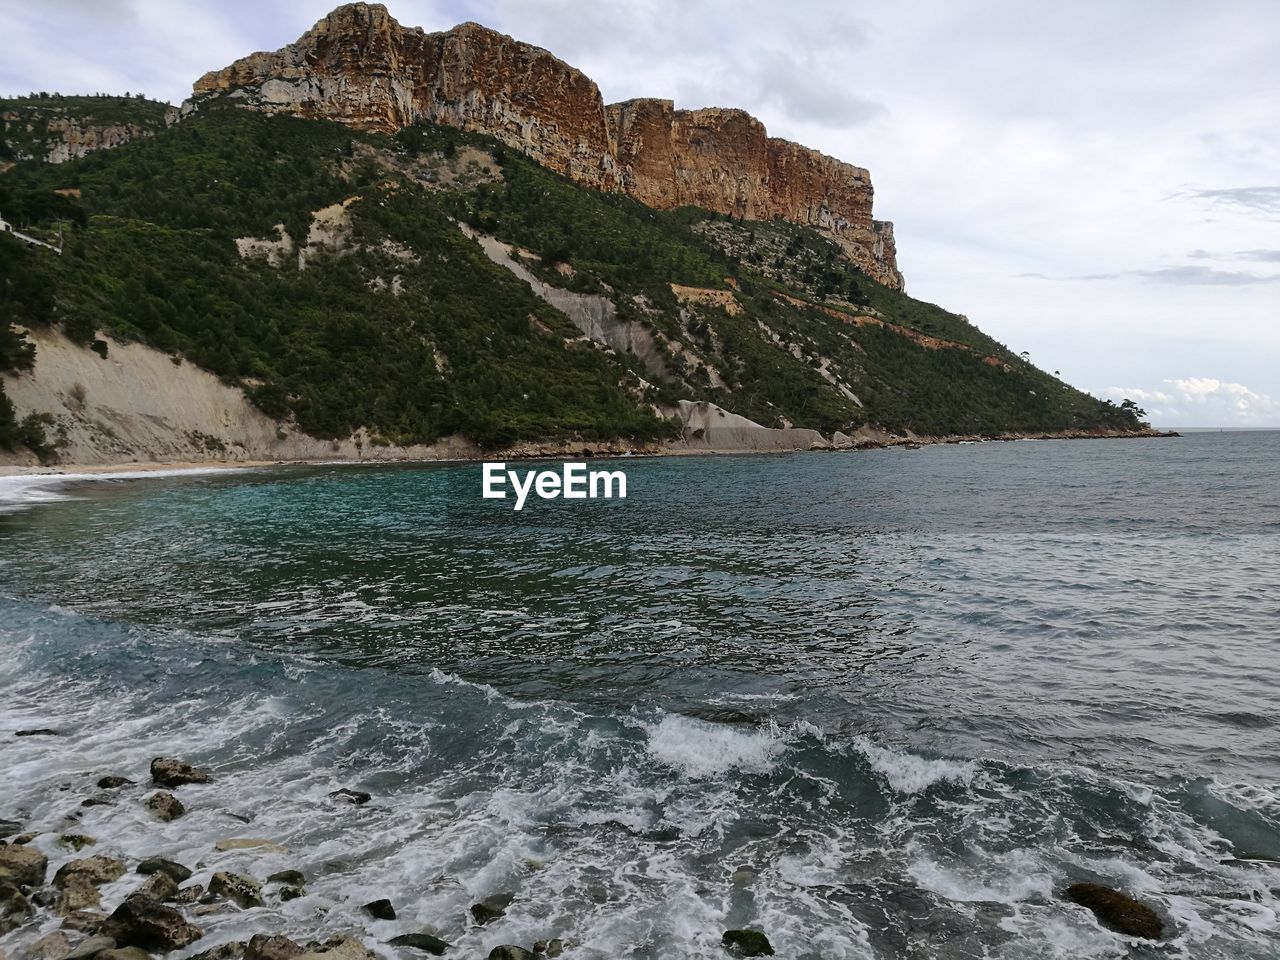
(360, 67)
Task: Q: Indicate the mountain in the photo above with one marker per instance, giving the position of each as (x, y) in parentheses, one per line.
(50, 128)
(339, 274)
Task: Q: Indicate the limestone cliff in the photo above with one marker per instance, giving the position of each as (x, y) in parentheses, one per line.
(360, 67)
(55, 129)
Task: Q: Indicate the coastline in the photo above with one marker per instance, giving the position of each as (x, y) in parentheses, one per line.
(871, 440)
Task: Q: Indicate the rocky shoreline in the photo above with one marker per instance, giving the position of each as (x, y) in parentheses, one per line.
(65, 917)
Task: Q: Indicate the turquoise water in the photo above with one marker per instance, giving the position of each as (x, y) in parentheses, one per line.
(884, 704)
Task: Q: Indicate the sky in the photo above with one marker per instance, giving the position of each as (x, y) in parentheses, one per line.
(1097, 183)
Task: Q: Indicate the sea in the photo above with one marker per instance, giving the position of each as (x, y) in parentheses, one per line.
(880, 704)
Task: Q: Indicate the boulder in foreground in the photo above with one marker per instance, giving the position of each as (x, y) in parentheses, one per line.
(747, 943)
(1117, 911)
(23, 866)
(168, 772)
(139, 922)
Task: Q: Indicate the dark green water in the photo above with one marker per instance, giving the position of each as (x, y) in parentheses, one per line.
(878, 705)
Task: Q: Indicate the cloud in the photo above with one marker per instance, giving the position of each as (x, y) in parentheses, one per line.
(1201, 401)
(1202, 275)
(1260, 199)
(1193, 274)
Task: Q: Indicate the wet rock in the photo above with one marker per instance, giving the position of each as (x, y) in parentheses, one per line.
(510, 952)
(380, 910)
(175, 871)
(26, 837)
(336, 948)
(168, 772)
(550, 948)
(293, 877)
(158, 887)
(248, 843)
(23, 866)
(355, 797)
(189, 894)
(112, 782)
(91, 948)
(165, 806)
(85, 921)
(263, 947)
(78, 893)
(743, 877)
(37, 732)
(420, 941)
(747, 943)
(287, 893)
(52, 946)
(96, 870)
(9, 828)
(211, 909)
(44, 897)
(1117, 911)
(491, 908)
(77, 841)
(139, 922)
(231, 950)
(101, 800)
(14, 906)
(245, 891)
(124, 953)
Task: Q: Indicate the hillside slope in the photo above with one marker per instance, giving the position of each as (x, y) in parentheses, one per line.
(436, 283)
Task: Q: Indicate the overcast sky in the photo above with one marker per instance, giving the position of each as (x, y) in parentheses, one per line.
(1097, 183)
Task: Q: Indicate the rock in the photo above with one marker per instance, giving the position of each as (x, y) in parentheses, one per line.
(101, 800)
(294, 877)
(1116, 910)
(510, 952)
(44, 897)
(210, 909)
(52, 946)
(287, 893)
(9, 828)
(112, 782)
(91, 947)
(248, 843)
(231, 950)
(38, 732)
(139, 922)
(26, 837)
(124, 953)
(78, 893)
(420, 941)
(85, 921)
(263, 947)
(550, 948)
(15, 908)
(356, 797)
(176, 871)
(747, 943)
(165, 806)
(189, 894)
(158, 887)
(358, 65)
(380, 910)
(491, 908)
(245, 891)
(168, 772)
(336, 948)
(23, 866)
(96, 870)
(77, 841)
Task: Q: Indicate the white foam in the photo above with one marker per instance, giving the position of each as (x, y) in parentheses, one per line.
(909, 773)
(24, 490)
(697, 748)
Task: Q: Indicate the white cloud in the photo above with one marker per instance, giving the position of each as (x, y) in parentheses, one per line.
(1202, 402)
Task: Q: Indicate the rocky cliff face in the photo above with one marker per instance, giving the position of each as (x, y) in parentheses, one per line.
(55, 129)
(359, 66)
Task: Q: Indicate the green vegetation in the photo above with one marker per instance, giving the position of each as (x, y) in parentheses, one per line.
(31, 124)
(381, 314)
